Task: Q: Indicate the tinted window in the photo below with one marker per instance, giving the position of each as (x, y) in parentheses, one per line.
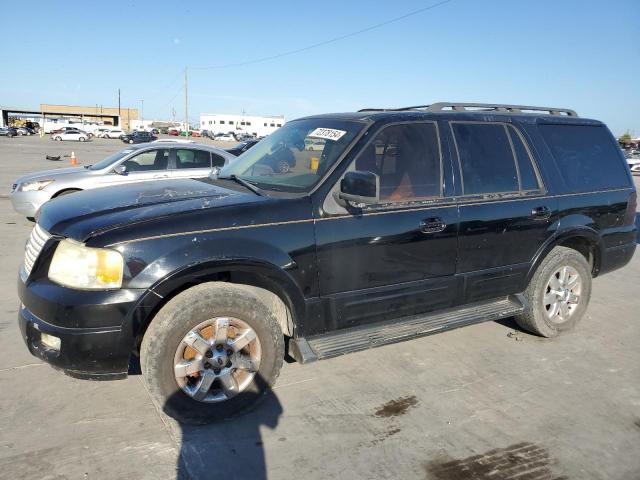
(217, 160)
(193, 159)
(149, 160)
(486, 158)
(407, 160)
(528, 178)
(586, 155)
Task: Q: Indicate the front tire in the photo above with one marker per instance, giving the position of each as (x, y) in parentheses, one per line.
(211, 352)
(558, 293)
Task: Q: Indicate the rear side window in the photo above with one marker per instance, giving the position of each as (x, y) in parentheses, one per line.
(486, 158)
(586, 155)
(193, 159)
(528, 177)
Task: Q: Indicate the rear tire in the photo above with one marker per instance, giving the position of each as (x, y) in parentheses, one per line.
(558, 293)
(161, 348)
(58, 139)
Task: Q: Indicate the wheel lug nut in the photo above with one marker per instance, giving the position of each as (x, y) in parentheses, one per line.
(219, 348)
(216, 371)
(220, 361)
(229, 352)
(209, 354)
(228, 364)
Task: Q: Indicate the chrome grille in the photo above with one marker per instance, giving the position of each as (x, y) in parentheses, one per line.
(36, 241)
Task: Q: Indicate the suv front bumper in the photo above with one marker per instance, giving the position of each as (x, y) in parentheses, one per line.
(96, 328)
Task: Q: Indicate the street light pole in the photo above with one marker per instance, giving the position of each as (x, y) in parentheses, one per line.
(186, 101)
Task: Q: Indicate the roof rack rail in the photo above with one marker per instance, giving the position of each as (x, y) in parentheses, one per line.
(480, 107)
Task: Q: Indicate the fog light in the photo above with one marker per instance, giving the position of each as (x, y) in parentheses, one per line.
(50, 341)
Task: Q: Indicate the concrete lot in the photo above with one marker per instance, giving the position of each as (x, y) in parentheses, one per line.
(482, 402)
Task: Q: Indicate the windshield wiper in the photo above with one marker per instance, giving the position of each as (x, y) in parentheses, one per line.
(244, 183)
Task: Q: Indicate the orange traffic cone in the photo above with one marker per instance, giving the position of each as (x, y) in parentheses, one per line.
(74, 161)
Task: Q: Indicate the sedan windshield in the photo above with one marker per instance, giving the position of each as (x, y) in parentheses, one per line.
(110, 160)
(285, 160)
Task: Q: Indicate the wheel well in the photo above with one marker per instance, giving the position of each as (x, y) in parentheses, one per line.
(267, 289)
(587, 248)
(66, 190)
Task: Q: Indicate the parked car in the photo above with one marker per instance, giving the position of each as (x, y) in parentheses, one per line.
(314, 145)
(71, 135)
(8, 132)
(473, 215)
(138, 137)
(634, 163)
(25, 131)
(113, 133)
(138, 163)
(227, 137)
(174, 132)
(63, 129)
(99, 132)
(241, 147)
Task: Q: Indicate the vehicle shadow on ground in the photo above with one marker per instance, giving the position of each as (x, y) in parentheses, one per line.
(228, 449)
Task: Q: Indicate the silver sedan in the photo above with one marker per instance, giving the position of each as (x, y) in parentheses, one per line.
(138, 163)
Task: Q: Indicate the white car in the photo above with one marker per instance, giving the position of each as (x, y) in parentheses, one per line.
(634, 164)
(114, 133)
(71, 135)
(225, 138)
(99, 132)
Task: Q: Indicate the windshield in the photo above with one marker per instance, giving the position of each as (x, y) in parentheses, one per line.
(110, 160)
(295, 157)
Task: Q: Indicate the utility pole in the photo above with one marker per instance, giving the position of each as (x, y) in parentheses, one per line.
(118, 102)
(186, 101)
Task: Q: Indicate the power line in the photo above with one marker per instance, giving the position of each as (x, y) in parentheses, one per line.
(325, 42)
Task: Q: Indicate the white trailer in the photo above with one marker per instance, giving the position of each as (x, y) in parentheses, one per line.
(237, 124)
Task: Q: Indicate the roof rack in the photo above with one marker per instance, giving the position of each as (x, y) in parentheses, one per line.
(479, 107)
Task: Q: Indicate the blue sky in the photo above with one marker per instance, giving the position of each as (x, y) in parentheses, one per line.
(568, 53)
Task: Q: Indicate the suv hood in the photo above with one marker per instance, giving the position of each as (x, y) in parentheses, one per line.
(49, 174)
(90, 212)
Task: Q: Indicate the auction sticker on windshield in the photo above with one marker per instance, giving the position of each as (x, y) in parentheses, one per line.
(327, 133)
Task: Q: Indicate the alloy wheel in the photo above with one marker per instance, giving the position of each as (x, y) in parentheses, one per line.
(562, 294)
(217, 359)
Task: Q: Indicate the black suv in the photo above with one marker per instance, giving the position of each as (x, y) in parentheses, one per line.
(408, 222)
(138, 137)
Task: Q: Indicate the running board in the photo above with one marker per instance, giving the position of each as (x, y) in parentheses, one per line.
(355, 339)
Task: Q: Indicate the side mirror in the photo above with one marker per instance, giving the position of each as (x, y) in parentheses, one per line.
(120, 170)
(360, 187)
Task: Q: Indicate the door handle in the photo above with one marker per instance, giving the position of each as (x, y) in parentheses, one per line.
(432, 225)
(541, 213)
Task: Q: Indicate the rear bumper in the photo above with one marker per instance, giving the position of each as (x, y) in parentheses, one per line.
(616, 257)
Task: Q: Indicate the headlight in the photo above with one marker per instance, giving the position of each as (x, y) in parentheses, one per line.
(76, 266)
(34, 186)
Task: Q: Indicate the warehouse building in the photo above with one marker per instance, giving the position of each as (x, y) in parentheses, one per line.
(251, 124)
